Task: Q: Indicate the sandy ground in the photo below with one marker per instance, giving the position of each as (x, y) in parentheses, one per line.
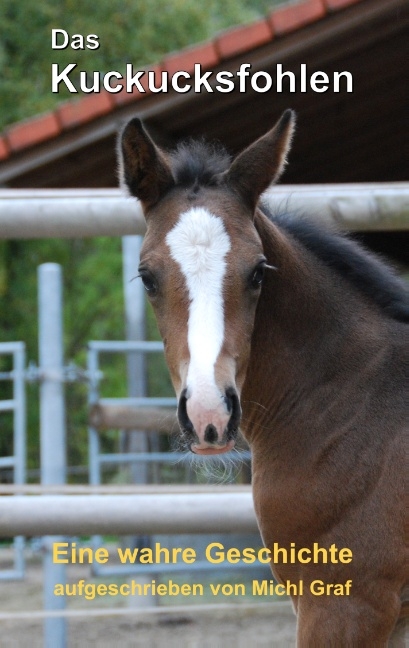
(196, 631)
(236, 624)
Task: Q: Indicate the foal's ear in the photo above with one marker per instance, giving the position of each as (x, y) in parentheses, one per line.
(262, 163)
(143, 166)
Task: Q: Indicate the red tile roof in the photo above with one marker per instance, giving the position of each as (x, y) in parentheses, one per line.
(76, 113)
(291, 17)
(243, 38)
(230, 43)
(204, 53)
(32, 131)
(127, 97)
(4, 149)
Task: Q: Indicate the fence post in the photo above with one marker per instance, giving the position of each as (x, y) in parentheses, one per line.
(134, 297)
(52, 430)
(135, 330)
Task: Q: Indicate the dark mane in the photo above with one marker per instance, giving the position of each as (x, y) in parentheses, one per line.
(197, 162)
(363, 269)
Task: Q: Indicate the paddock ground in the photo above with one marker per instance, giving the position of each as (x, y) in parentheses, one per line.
(241, 625)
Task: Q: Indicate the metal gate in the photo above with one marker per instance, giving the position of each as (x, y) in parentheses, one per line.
(15, 463)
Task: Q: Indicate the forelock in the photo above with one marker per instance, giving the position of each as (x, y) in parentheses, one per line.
(197, 163)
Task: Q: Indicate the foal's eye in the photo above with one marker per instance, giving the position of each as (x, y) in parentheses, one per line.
(149, 282)
(257, 276)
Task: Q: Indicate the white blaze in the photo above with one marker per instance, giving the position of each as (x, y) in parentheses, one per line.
(199, 244)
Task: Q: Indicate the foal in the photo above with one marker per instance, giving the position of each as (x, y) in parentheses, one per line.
(300, 338)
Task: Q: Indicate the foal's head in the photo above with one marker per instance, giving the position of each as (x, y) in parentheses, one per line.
(202, 265)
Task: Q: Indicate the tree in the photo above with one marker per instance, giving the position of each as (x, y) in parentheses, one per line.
(129, 31)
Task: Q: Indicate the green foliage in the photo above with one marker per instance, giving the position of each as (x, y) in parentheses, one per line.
(130, 31)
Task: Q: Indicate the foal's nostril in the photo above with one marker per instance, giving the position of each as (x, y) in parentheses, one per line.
(184, 420)
(210, 435)
(234, 409)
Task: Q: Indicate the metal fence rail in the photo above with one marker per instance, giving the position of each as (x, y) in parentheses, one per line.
(121, 489)
(127, 514)
(64, 213)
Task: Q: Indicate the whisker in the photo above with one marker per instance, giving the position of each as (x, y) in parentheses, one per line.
(260, 426)
(220, 469)
(258, 405)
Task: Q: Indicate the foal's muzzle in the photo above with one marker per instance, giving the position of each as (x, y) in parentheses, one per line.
(210, 431)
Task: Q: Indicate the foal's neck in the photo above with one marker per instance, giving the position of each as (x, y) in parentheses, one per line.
(312, 337)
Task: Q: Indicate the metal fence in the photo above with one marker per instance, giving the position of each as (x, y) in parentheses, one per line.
(64, 213)
(16, 463)
(40, 214)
